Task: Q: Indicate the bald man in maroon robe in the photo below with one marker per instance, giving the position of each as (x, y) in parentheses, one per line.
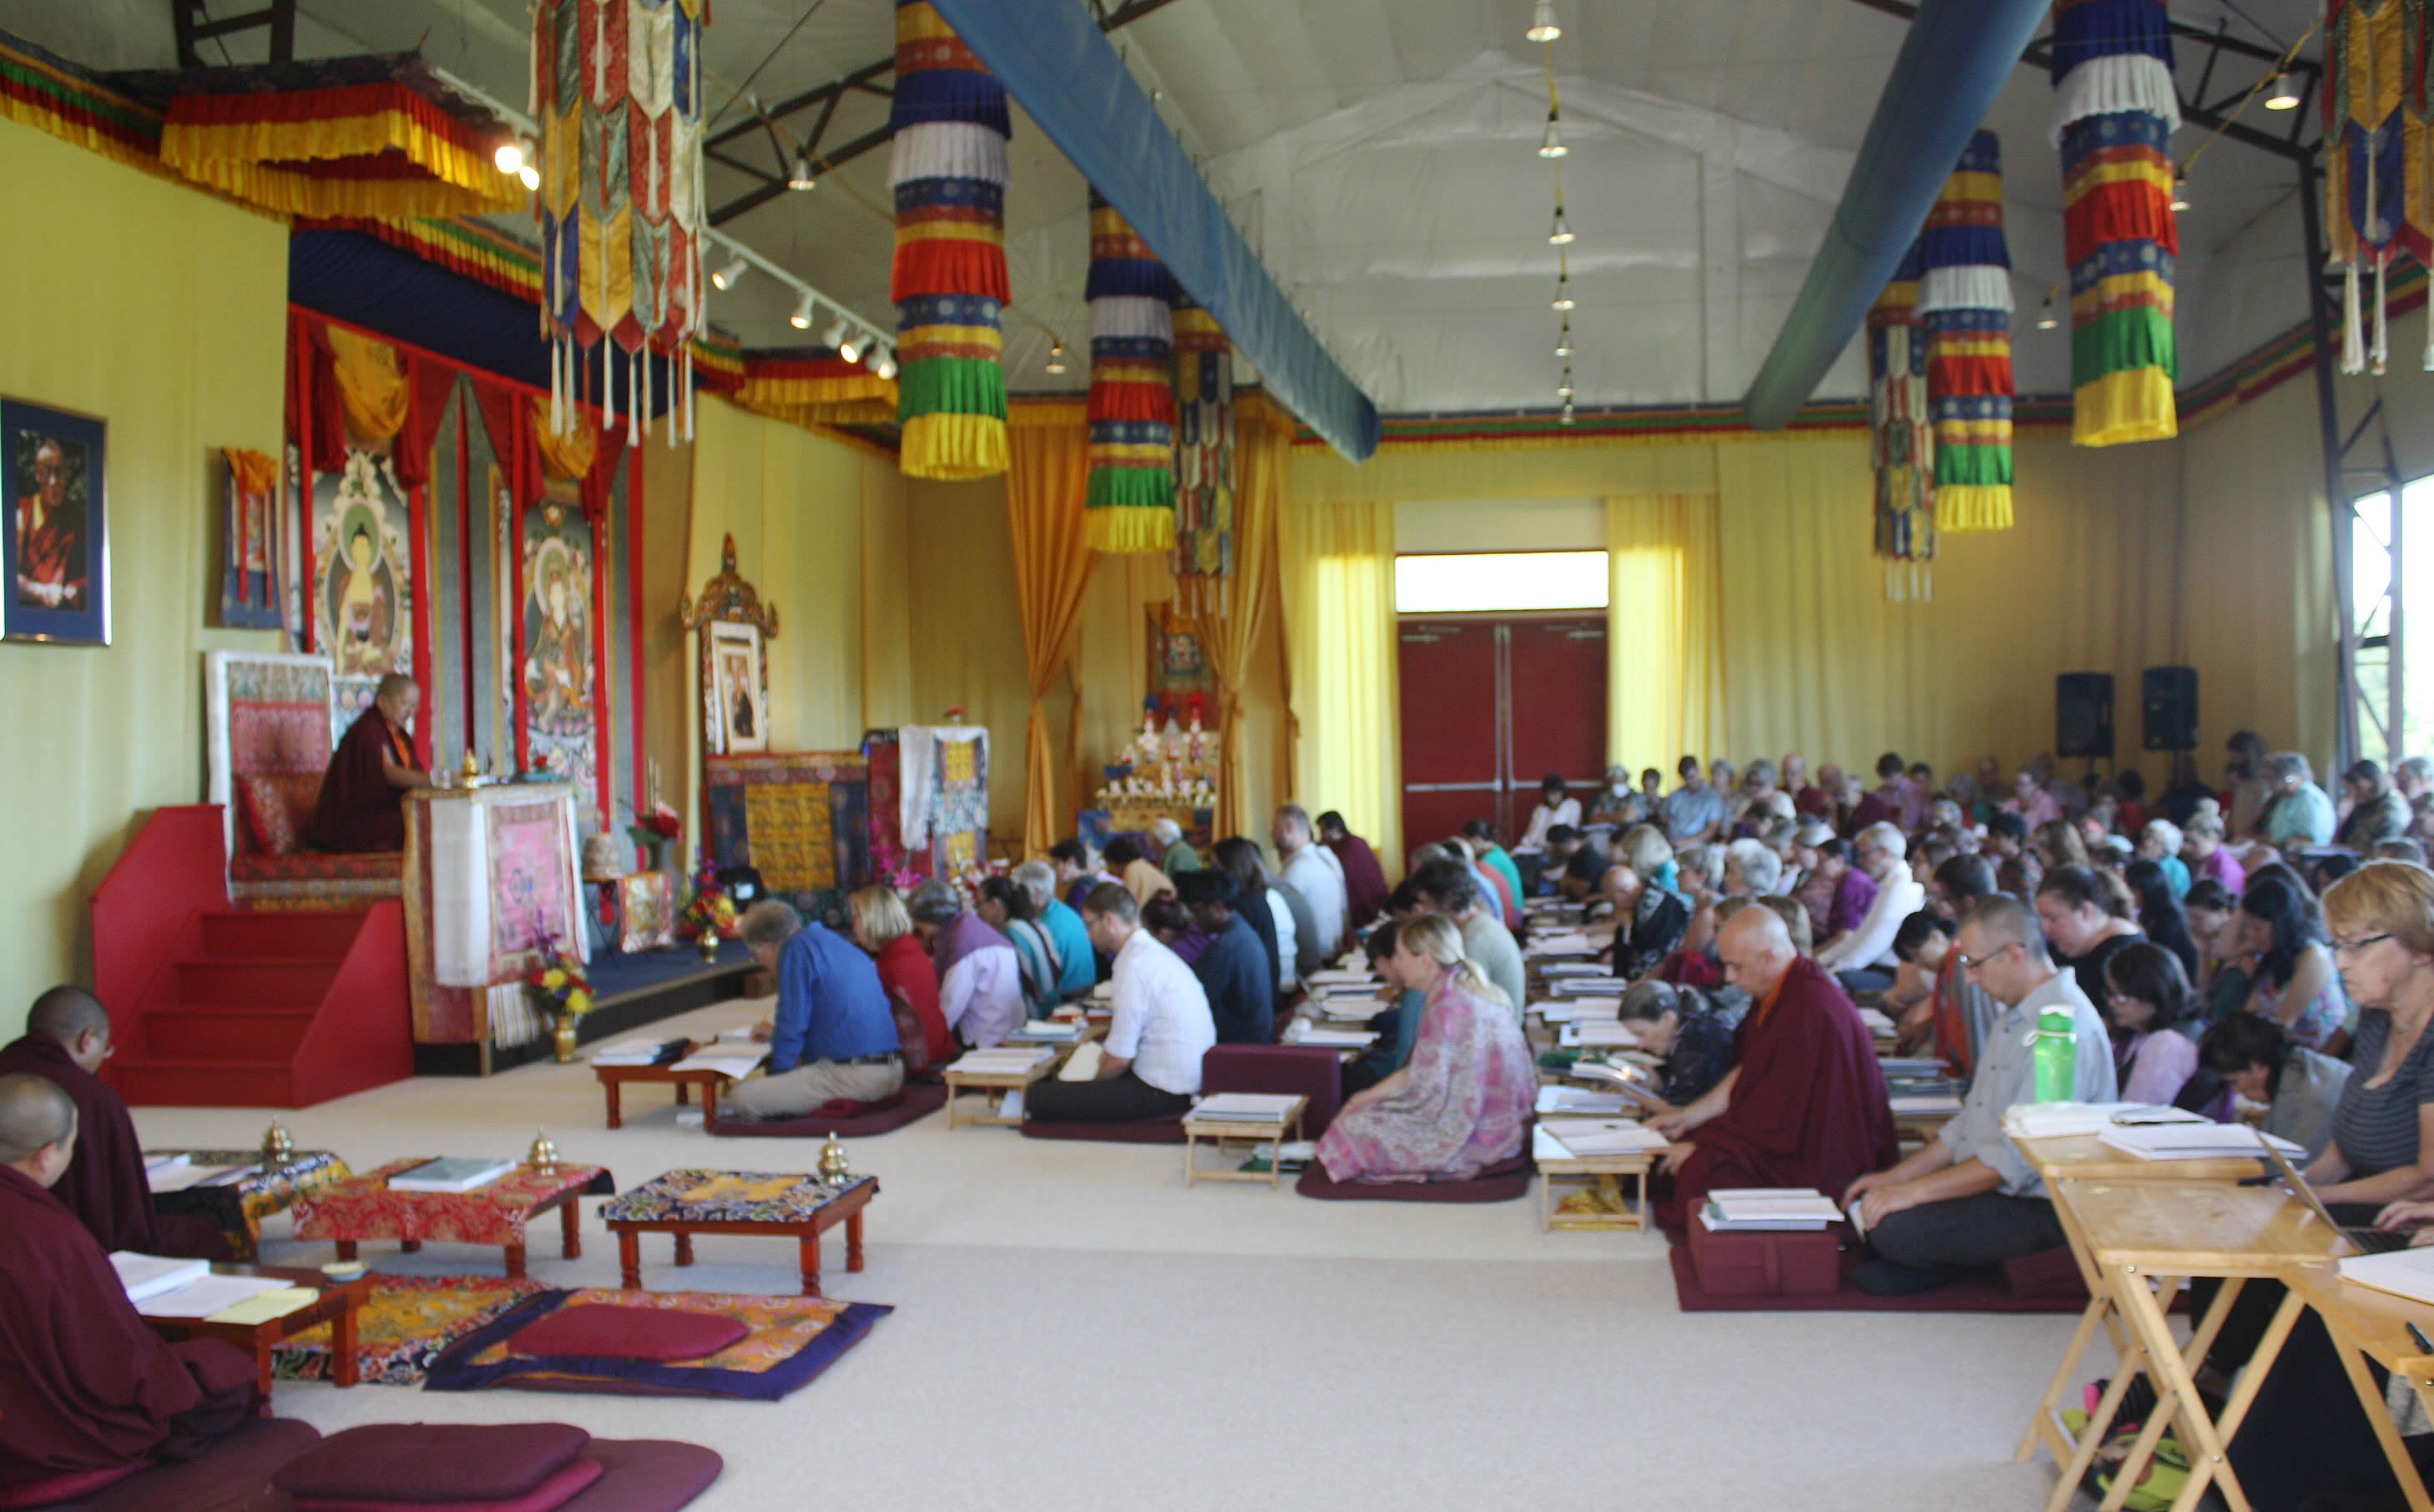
(66, 1042)
(85, 1384)
(359, 809)
(1805, 1105)
(1365, 880)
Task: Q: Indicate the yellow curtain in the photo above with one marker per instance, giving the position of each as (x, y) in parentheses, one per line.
(565, 456)
(1262, 472)
(1664, 629)
(371, 384)
(1047, 481)
(1339, 577)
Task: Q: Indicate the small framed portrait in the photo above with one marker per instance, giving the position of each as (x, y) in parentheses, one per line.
(737, 687)
(58, 545)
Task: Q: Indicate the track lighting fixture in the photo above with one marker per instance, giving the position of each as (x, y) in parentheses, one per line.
(1542, 23)
(802, 318)
(727, 273)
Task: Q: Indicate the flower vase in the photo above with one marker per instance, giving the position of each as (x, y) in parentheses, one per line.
(561, 1039)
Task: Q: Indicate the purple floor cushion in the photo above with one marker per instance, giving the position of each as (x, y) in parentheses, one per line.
(54, 1489)
(857, 1120)
(432, 1462)
(630, 1333)
(646, 1475)
(788, 1341)
(1167, 1130)
(1500, 1182)
(561, 1487)
(232, 1476)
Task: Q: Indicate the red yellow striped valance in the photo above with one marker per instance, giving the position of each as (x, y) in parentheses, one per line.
(376, 150)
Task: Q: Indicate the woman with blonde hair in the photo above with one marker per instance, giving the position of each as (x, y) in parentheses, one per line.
(2058, 843)
(882, 927)
(1462, 1102)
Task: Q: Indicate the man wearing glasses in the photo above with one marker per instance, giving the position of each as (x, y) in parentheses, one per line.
(1970, 1198)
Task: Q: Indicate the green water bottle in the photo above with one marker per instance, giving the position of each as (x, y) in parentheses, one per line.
(2057, 1054)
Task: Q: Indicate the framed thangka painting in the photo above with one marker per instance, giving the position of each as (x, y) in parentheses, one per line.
(558, 643)
(58, 545)
(249, 551)
(735, 628)
(363, 590)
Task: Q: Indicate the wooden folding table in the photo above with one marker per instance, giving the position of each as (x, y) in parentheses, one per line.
(2367, 1324)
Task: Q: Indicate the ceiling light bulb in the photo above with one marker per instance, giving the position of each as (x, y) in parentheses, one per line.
(510, 157)
(1542, 23)
(1552, 144)
(886, 368)
(1562, 234)
(1563, 345)
(727, 273)
(1565, 388)
(1563, 294)
(802, 176)
(2281, 94)
(1567, 418)
(1056, 357)
(2047, 319)
(2181, 192)
(802, 318)
(528, 176)
(843, 338)
(851, 349)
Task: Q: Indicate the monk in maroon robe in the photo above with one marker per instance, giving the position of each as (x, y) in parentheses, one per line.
(1365, 880)
(85, 1384)
(66, 1041)
(359, 809)
(1805, 1105)
(51, 570)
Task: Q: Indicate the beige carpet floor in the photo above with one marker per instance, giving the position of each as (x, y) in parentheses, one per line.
(1076, 1330)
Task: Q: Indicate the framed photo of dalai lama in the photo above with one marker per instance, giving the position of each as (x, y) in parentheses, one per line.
(57, 548)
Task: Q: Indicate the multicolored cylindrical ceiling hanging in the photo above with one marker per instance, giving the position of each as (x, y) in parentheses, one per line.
(1964, 301)
(1204, 460)
(1131, 504)
(948, 169)
(2376, 163)
(2115, 113)
(617, 88)
(1902, 436)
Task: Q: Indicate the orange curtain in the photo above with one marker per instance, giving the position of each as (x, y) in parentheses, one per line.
(1262, 472)
(1047, 481)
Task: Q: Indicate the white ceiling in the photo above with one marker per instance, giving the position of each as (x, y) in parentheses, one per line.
(1380, 154)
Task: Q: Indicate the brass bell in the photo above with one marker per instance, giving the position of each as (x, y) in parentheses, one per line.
(544, 1157)
(834, 1170)
(278, 1146)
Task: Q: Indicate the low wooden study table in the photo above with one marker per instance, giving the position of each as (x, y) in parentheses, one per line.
(998, 1082)
(2367, 1324)
(614, 1079)
(495, 1213)
(769, 1204)
(1275, 1133)
(336, 1307)
(2145, 1238)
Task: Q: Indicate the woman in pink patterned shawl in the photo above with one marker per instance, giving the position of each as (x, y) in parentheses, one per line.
(1462, 1102)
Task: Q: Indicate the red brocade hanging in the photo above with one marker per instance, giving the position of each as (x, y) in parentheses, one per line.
(1902, 436)
(1204, 460)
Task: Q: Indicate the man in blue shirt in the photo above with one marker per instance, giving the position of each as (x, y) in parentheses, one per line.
(1692, 813)
(835, 1038)
(1077, 966)
(1233, 970)
(2302, 812)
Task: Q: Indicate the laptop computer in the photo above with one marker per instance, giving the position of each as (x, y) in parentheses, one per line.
(2369, 1241)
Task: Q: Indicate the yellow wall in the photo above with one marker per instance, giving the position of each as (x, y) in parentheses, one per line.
(162, 311)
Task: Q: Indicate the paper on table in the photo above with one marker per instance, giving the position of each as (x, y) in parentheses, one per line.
(270, 1304)
(206, 1295)
(2402, 1272)
(737, 1061)
(1552, 1099)
(1083, 1064)
(178, 1177)
(1573, 944)
(1605, 1136)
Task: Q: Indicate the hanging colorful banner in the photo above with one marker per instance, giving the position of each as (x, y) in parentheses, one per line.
(1902, 436)
(2375, 159)
(617, 88)
(1964, 302)
(2115, 113)
(948, 167)
(1131, 504)
(1204, 460)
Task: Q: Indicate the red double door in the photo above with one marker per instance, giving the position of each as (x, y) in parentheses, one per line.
(1490, 707)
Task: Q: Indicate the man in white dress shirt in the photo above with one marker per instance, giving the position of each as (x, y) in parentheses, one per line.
(1161, 1028)
(1313, 871)
(1863, 959)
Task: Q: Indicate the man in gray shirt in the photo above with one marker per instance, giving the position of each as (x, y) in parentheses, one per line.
(1970, 1198)
(1451, 887)
(1694, 813)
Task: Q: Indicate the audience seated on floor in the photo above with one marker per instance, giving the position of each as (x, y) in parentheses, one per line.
(1805, 1105)
(1752, 867)
(2297, 1087)
(1688, 1032)
(360, 807)
(980, 976)
(884, 931)
(1500, 899)
(1175, 856)
(2279, 943)
(2302, 812)
(2159, 914)
(834, 1036)
(1557, 808)
(85, 1384)
(1835, 894)
(1617, 804)
(1480, 836)
(2151, 1011)
(1077, 968)
(66, 1043)
(1170, 924)
(2403, 849)
(1075, 874)
(1645, 926)
(1462, 1101)
(1364, 879)
(1579, 862)
(2085, 922)
(1692, 813)
(1005, 907)
(1268, 910)
(2381, 920)
(1161, 1028)
(1397, 1024)
(1923, 947)
(1969, 1197)
(1862, 957)
(1233, 968)
(1139, 875)
(1313, 871)
(1448, 887)
(1960, 1009)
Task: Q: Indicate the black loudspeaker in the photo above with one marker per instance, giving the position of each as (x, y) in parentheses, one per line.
(2083, 715)
(2168, 700)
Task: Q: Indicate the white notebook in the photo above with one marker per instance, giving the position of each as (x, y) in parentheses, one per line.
(146, 1276)
(2402, 1272)
(1244, 1107)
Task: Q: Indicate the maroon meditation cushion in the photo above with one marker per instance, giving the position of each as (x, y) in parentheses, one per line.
(75, 1485)
(550, 1494)
(432, 1462)
(629, 1334)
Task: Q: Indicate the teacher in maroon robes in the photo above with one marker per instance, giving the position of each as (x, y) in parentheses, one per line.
(1803, 1106)
(372, 768)
(85, 1384)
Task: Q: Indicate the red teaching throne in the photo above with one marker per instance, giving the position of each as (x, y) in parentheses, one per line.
(272, 726)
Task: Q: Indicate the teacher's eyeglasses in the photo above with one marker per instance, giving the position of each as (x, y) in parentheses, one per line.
(1969, 963)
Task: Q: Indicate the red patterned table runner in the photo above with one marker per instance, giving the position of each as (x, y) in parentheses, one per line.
(365, 1208)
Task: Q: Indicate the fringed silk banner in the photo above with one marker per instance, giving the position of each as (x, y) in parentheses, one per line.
(389, 147)
(1902, 436)
(813, 386)
(2115, 113)
(948, 167)
(617, 88)
(1131, 503)
(1964, 301)
(1204, 460)
(2375, 166)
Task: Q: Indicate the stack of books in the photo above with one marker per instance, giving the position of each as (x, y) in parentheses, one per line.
(1303, 1032)
(1244, 1108)
(640, 1049)
(148, 1276)
(1571, 1009)
(2194, 1142)
(1583, 1137)
(1010, 1059)
(1552, 1099)
(1597, 1034)
(451, 1176)
(2060, 1120)
(729, 1058)
(1046, 1032)
(1767, 1210)
(1570, 942)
